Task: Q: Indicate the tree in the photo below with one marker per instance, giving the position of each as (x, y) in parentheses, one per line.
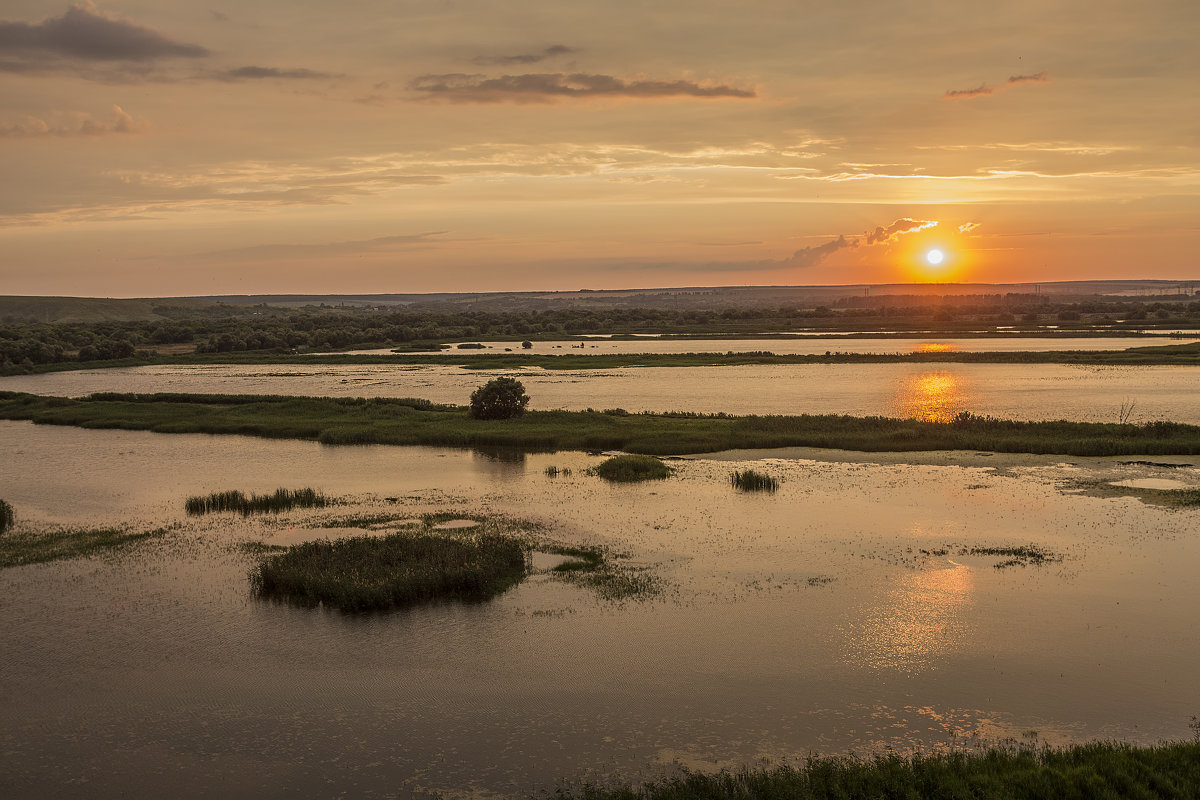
(499, 398)
(528, 345)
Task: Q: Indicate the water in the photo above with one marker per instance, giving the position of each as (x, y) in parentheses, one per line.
(808, 620)
(935, 392)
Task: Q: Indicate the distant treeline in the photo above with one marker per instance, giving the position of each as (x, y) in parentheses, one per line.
(266, 329)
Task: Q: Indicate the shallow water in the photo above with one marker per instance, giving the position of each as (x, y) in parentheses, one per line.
(808, 620)
(924, 391)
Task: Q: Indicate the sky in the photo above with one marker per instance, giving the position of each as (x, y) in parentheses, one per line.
(163, 147)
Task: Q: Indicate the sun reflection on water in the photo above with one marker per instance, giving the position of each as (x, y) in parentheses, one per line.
(932, 397)
(936, 347)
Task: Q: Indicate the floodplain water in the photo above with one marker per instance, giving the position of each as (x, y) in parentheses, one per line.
(843, 612)
(923, 391)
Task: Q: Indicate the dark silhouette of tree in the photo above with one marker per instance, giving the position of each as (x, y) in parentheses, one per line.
(499, 398)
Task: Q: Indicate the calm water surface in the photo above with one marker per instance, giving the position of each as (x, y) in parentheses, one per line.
(805, 621)
(937, 392)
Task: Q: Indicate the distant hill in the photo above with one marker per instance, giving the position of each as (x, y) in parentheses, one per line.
(92, 309)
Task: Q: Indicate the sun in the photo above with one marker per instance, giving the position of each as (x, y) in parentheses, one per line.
(934, 257)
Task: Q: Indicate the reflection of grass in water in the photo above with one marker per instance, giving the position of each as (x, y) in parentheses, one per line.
(280, 500)
(751, 481)
(631, 468)
(35, 548)
(1096, 770)
(7, 517)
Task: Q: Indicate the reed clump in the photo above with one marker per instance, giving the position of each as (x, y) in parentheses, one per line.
(279, 500)
(367, 573)
(751, 481)
(7, 517)
(630, 468)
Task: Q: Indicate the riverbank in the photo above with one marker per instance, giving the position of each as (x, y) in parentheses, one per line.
(407, 421)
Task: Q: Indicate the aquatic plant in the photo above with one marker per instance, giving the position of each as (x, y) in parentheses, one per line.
(630, 468)
(7, 518)
(554, 472)
(62, 543)
(369, 573)
(751, 481)
(280, 500)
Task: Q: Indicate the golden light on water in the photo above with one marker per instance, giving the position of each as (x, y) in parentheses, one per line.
(932, 396)
(936, 347)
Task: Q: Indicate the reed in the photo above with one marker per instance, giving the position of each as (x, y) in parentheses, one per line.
(233, 500)
(751, 481)
(631, 468)
(7, 517)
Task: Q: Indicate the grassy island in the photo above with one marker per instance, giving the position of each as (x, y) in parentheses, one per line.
(402, 421)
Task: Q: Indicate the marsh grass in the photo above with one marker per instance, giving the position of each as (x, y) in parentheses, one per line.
(1100, 770)
(1022, 556)
(751, 481)
(24, 547)
(368, 573)
(7, 517)
(554, 472)
(630, 468)
(280, 500)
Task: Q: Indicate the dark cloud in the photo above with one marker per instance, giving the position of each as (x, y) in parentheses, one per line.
(1040, 77)
(80, 125)
(547, 87)
(84, 33)
(525, 58)
(897, 228)
(259, 73)
(811, 256)
(963, 94)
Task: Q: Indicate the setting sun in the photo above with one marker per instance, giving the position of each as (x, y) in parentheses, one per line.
(934, 257)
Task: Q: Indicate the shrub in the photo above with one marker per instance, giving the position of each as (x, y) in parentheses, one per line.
(499, 398)
(632, 468)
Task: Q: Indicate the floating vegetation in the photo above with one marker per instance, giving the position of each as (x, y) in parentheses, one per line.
(36, 548)
(281, 500)
(7, 517)
(367, 573)
(751, 481)
(1023, 556)
(1078, 772)
(554, 472)
(631, 468)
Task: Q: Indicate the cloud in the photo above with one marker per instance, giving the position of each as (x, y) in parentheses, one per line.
(811, 256)
(1040, 77)
(378, 244)
(967, 227)
(85, 33)
(259, 73)
(77, 125)
(897, 229)
(524, 58)
(547, 87)
(965, 94)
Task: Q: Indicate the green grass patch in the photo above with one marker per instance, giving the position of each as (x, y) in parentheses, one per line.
(7, 517)
(1097, 771)
(280, 500)
(631, 468)
(23, 547)
(751, 481)
(378, 573)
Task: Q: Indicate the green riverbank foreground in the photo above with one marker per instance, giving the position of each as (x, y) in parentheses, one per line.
(404, 421)
(1098, 771)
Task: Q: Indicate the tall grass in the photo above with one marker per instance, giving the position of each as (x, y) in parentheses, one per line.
(631, 468)
(751, 481)
(377, 573)
(7, 518)
(1104, 770)
(280, 500)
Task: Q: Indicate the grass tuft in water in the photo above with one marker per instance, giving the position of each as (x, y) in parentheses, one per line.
(1080, 772)
(554, 472)
(751, 481)
(56, 545)
(1022, 556)
(631, 468)
(378, 573)
(281, 500)
(7, 517)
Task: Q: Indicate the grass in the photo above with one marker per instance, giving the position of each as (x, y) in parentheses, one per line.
(7, 517)
(280, 500)
(368, 573)
(417, 422)
(1022, 556)
(22, 548)
(1096, 771)
(751, 481)
(631, 468)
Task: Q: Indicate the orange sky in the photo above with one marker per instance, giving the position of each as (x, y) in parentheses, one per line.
(169, 147)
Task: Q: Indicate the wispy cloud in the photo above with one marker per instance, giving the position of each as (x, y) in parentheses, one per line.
(378, 244)
(965, 94)
(85, 34)
(897, 229)
(1039, 77)
(267, 73)
(984, 90)
(524, 58)
(73, 125)
(967, 227)
(548, 87)
(811, 256)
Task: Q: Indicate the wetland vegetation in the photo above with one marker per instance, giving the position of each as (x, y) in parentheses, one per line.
(274, 503)
(7, 516)
(749, 480)
(36, 547)
(632, 468)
